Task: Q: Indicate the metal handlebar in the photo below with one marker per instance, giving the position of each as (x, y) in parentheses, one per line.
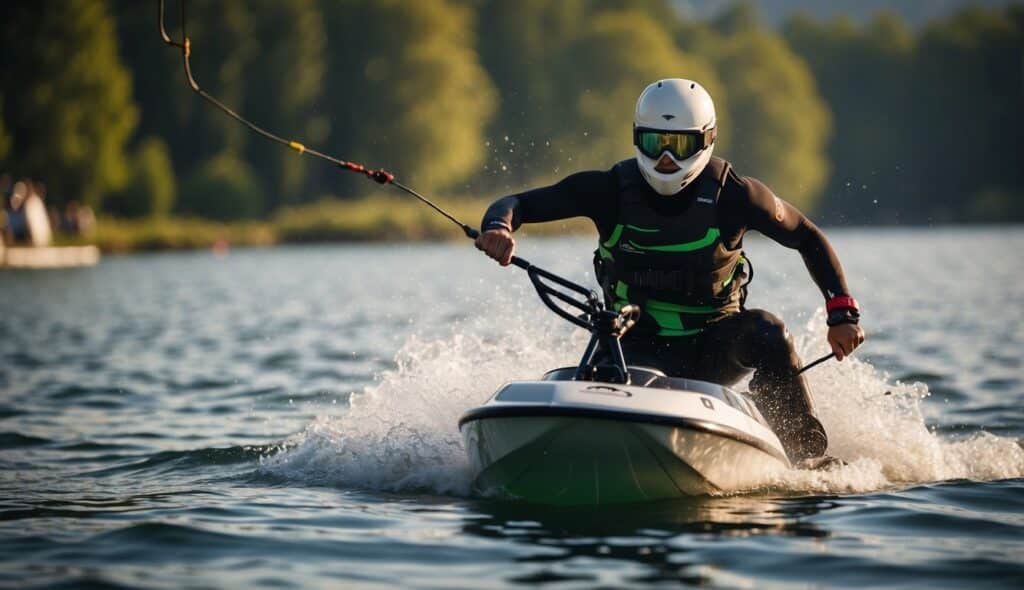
(588, 308)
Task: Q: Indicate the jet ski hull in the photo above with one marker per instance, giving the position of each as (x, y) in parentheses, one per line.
(577, 443)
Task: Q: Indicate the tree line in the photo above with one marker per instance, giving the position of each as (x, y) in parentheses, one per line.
(859, 123)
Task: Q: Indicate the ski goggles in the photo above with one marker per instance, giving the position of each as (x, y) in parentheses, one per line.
(681, 144)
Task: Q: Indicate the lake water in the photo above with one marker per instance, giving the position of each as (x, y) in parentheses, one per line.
(287, 418)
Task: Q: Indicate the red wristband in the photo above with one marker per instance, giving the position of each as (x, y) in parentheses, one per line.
(841, 302)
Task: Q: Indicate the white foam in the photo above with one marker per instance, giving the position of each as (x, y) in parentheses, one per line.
(877, 425)
(401, 434)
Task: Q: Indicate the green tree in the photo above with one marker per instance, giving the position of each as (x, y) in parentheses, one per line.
(659, 10)
(603, 73)
(5, 138)
(67, 96)
(928, 126)
(738, 18)
(569, 74)
(519, 42)
(968, 115)
(406, 90)
(776, 121)
(263, 59)
(151, 186)
(863, 74)
(224, 188)
(224, 48)
(283, 94)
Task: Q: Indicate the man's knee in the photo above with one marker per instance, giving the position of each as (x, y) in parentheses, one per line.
(769, 330)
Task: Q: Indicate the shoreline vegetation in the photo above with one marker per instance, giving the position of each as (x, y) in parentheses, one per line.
(859, 118)
(370, 219)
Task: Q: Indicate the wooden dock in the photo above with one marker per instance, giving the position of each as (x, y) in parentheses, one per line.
(48, 256)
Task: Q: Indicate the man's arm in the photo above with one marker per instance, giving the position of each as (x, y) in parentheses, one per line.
(585, 194)
(783, 223)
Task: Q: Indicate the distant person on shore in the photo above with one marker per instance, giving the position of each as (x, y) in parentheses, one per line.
(27, 219)
(17, 225)
(671, 222)
(76, 219)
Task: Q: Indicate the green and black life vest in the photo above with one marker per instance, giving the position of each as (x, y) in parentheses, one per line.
(675, 267)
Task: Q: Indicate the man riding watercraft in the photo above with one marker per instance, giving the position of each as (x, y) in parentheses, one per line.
(671, 223)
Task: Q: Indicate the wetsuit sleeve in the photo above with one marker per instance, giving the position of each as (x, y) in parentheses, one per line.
(780, 221)
(589, 194)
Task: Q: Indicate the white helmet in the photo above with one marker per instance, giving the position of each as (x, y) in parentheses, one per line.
(677, 117)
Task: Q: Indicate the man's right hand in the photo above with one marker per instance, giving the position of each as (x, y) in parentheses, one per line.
(498, 244)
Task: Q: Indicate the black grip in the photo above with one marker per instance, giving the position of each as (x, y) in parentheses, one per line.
(816, 362)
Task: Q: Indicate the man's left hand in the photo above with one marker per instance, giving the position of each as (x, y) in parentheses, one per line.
(844, 339)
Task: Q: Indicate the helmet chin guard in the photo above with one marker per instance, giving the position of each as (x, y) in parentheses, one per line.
(670, 184)
(674, 105)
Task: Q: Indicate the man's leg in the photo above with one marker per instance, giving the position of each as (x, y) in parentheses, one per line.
(755, 339)
(676, 357)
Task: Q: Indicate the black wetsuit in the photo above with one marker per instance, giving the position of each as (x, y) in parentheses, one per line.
(728, 348)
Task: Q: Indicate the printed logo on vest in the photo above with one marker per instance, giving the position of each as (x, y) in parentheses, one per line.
(627, 247)
(706, 200)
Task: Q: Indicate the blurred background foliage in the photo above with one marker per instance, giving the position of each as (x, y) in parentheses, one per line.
(856, 121)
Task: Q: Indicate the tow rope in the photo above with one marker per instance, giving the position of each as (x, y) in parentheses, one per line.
(380, 176)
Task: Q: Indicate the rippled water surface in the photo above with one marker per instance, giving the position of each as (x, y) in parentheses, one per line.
(287, 418)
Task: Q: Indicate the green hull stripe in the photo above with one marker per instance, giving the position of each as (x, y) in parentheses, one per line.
(708, 239)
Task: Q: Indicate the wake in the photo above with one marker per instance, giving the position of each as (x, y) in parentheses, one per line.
(401, 433)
